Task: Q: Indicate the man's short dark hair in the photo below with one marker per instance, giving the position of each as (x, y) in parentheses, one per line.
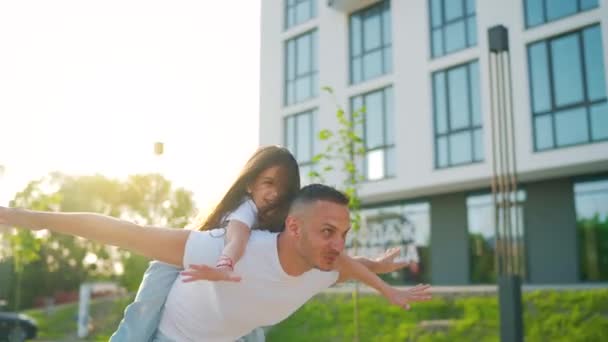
(319, 192)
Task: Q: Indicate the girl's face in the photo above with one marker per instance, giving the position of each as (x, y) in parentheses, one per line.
(269, 187)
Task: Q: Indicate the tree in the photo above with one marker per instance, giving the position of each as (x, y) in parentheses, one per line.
(344, 149)
(62, 262)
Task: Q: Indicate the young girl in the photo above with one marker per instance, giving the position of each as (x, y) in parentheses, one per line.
(142, 317)
(259, 199)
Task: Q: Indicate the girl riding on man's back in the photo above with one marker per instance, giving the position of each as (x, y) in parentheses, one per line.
(258, 199)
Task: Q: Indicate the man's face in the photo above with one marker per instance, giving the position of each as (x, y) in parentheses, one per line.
(323, 228)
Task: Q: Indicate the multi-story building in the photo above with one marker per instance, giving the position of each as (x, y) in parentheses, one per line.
(421, 70)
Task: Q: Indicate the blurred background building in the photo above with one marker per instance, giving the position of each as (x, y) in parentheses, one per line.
(421, 70)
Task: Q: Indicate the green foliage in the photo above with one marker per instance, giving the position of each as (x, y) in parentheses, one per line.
(57, 260)
(593, 248)
(548, 316)
(567, 316)
(60, 324)
(481, 254)
(342, 149)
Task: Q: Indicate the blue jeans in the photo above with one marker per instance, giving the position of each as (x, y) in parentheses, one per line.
(142, 317)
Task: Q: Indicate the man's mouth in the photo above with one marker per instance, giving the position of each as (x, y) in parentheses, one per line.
(330, 259)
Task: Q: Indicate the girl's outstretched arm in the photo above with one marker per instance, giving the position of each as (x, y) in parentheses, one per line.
(237, 236)
(238, 231)
(162, 244)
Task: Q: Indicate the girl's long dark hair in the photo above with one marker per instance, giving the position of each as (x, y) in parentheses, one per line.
(265, 157)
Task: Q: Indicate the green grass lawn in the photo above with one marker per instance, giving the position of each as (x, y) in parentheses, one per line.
(60, 325)
(548, 316)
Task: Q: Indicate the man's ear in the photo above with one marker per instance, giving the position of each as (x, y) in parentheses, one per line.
(292, 225)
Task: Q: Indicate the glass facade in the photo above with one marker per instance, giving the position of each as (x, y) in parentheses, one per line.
(591, 200)
(300, 140)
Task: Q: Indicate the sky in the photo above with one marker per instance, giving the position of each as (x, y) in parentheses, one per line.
(87, 87)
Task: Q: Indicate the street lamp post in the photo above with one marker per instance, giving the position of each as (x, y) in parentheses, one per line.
(509, 264)
(159, 149)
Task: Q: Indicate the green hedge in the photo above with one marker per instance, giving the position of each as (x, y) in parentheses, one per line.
(60, 325)
(548, 316)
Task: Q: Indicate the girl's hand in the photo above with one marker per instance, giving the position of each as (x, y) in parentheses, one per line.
(206, 272)
(403, 298)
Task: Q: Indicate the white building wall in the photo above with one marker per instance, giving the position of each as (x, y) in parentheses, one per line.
(412, 89)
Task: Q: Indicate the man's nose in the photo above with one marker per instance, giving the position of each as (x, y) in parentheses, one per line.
(338, 244)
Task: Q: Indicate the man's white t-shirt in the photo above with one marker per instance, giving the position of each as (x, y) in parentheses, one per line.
(225, 311)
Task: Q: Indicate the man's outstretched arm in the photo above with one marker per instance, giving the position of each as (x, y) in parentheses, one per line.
(384, 263)
(162, 244)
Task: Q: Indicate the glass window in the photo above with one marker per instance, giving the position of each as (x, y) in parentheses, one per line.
(543, 126)
(299, 11)
(567, 70)
(370, 42)
(539, 78)
(571, 126)
(599, 117)
(591, 201)
(567, 89)
(455, 37)
(439, 98)
(458, 94)
(460, 147)
(458, 124)
(541, 11)
(453, 26)
(376, 132)
(300, 140)
(403, 225)
(482, 235)
(560, 9)
(594, 63)
(301, 68)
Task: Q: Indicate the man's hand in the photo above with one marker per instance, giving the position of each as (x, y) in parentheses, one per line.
(403, 298)
(386, 263)
(205, 272)
(8, 218)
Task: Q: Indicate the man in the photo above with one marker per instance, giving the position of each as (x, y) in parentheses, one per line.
(280, 272)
